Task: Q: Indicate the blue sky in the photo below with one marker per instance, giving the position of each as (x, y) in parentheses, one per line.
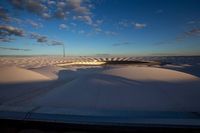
(93, 27)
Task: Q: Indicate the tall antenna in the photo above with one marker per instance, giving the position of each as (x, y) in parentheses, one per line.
(63, 50)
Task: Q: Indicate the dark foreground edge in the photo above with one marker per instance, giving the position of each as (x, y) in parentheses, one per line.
(17, 122)
(15, 126)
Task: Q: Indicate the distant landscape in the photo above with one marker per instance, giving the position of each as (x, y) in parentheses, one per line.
(42, 81)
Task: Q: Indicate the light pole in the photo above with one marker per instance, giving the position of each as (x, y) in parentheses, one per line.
(63, 50)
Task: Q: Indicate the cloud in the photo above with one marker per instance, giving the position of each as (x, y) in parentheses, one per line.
(79, 6)
(97, 23)
(98, 29)
(16, 20)
(51, 2)
(86, 19)
(164, 42)
(110, 33)
(5, 17)
(6, 32)
(61, 4)
(54, 42)
(129, 23)
(82, 10)
(7, 39)
(34, 24)
(73, 24)
(33, 6)
(81, 32)
(38, 7)
(79, 9)
(63, 26)
(16, 49)
(122, 44)
(4, 14)
(124, 23)
(193, 32)
(194, 23)
(139, 25)
(39, 38)
(46, 15)
(60, 14)
(44, 39)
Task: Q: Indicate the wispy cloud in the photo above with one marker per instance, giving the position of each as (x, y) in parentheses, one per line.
(139, 25)
(87, 19)
(16, 49)
(124, 23)
(81, 32)
(34, 24)
(193, 32)
(51, 2)
(7, 39)
(164, 42)
(194, 22)
(73, 24)
(97, 23)
(98, 30)
(130, 23)
(6, 18)
(39, 38)
(63, 26)
(123, 44)
(44, 39)
(113, 33)
(55, 42)
(4, 14)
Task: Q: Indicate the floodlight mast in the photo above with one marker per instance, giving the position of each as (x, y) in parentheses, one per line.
(63, 50)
